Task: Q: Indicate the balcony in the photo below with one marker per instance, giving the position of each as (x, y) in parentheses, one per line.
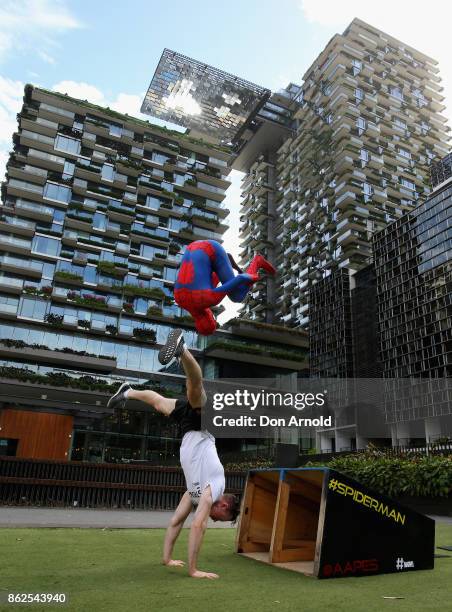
(58, 358)
(21, 266)
(15, 245)
(34, 210)
(17, 226)
(11, 285)
(8, 311)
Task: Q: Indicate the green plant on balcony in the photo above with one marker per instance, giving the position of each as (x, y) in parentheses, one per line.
(168, 194)
(64, 275)
(128, 307)
(44, 292)
(255, 349)
(153, 292)
(83, 323)
(160, 255)
(30, 289)
(154, 311)
(59, 379)
(111, 329)
(179, 200)
(130, 163)
(214, 222)
(56, 320)
(191, 182)
(174, 248)
(146, 335)
(109, 268)
(88, 299)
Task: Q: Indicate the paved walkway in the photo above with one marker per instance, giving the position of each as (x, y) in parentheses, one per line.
(20, 516)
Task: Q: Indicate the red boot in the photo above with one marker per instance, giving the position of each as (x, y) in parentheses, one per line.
(205, 322)
(260, 263)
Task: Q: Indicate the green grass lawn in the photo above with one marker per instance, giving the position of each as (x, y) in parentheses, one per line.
(120, 570)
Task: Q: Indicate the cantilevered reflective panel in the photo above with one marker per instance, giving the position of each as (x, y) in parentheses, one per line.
(197, 96)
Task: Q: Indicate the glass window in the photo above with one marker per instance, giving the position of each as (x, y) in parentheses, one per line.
(356, 66)
(69, 145)
(99, 221)
(32, 308)
(364, 155)
(108, 172)
(396, 92)
(170, 274)
(8, 304)
(90, 274)
(360, 124)
(60, 193)
(58, 216)
(359, 94)
(69, 168)
(45, 245)
(115, 130)
(175, 224)
(399, 123)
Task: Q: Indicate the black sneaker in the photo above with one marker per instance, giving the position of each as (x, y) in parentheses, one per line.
(174, 347)
(118, 400)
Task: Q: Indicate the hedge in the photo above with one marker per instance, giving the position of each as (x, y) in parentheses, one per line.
(398, 476)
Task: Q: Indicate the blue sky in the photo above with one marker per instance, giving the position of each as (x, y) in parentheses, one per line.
(106, 51)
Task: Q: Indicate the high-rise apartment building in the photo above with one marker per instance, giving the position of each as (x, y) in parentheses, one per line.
(96, 209)
(366, 123)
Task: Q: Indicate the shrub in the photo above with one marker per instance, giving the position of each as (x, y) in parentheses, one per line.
(54, 319)
(245, 466)
(146, 335)
(62, 275)
(128, 307)
(397, 476)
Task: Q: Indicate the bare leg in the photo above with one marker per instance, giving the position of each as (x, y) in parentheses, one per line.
(164, 405)
(195, 390)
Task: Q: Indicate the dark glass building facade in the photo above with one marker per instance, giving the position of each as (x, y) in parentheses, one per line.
(413, 260)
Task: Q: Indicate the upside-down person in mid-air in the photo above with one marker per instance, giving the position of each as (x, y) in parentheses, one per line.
(205, 264)
(202, 468)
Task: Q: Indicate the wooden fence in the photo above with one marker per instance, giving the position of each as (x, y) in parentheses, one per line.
(35, 482)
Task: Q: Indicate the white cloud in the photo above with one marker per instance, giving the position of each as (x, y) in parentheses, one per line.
(130, 104)
(28, 24)
(123, 102)
(426, 27)
(11, 93)
(80, 90)
(48, 59)
(231, 236)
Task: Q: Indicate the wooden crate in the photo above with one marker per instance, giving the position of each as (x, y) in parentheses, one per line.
(324, 524)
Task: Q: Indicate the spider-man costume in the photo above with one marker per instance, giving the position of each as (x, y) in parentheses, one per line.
(205, 263)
